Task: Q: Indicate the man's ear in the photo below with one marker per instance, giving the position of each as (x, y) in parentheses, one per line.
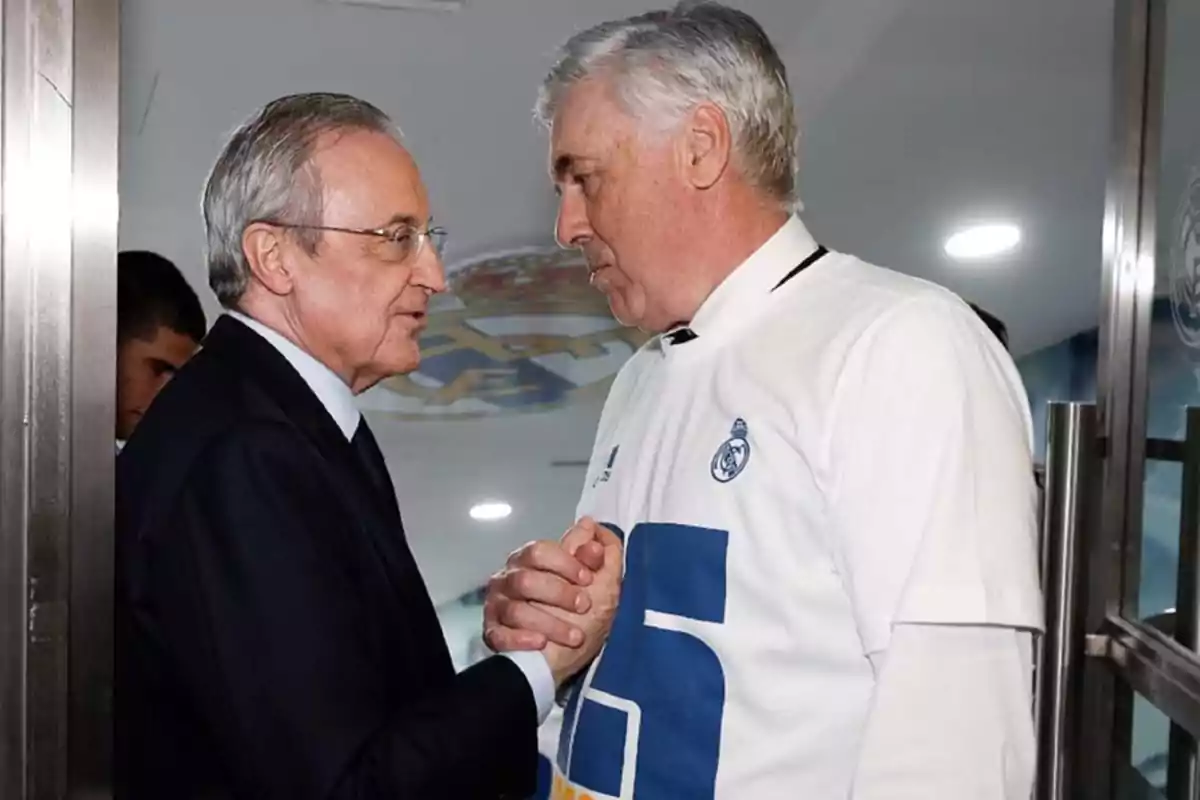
(705, 146)
(264, 247)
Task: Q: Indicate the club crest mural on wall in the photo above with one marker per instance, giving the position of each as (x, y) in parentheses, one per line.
(517, 331)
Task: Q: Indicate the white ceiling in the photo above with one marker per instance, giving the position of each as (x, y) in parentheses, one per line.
(918, 116)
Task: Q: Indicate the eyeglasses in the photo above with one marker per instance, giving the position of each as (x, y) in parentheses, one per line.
(400, 244)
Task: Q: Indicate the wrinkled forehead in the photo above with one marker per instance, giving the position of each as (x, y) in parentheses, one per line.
(588, 125)
(369, 176)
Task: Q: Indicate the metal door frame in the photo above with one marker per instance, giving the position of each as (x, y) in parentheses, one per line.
(1088, 708)
(58, 239)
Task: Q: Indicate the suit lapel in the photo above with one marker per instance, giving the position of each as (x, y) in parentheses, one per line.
(257, 362)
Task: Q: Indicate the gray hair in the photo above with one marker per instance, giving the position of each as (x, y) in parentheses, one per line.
(663, 63)
(266, 173)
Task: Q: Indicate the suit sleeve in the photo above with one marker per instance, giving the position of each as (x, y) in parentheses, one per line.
(261, 616)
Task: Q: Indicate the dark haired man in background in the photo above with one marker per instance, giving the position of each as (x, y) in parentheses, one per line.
(159, 326)
(994, 323)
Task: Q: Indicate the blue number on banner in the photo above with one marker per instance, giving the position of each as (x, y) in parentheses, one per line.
(675, 679)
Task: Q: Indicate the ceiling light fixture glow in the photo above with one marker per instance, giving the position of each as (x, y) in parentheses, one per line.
(983, 241)
(490, 511)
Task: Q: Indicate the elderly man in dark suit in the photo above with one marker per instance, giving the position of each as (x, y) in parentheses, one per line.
(274, 636)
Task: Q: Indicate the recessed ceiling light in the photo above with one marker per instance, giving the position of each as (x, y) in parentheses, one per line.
(491, 511)
(983, 241)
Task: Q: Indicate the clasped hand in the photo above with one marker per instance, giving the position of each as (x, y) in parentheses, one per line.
(557, 597)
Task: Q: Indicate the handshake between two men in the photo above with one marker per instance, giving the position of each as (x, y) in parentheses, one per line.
(557, 597)
(846, 591)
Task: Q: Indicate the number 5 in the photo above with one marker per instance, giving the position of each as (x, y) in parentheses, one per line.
(650, 721)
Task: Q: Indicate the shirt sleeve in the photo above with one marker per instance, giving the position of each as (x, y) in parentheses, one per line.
(541, 680)
(951, 716)
(932, 499)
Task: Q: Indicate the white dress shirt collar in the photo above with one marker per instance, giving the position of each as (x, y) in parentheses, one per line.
(331, 390)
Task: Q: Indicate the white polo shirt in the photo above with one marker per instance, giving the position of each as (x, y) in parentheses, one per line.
(826, 459)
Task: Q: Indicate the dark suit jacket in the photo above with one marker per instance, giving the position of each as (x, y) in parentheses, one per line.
(274, 637)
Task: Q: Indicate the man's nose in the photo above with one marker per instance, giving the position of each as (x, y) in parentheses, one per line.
(572, 229)
(429, 272)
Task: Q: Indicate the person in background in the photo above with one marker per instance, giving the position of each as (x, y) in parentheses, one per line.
(274, 637)
(997, 326)
(160, 324)
(822, 468)
(994, 323)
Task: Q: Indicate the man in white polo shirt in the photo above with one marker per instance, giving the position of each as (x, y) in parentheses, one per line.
(821, 469)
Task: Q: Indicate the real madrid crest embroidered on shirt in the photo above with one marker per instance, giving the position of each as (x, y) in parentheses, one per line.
(731, 457)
